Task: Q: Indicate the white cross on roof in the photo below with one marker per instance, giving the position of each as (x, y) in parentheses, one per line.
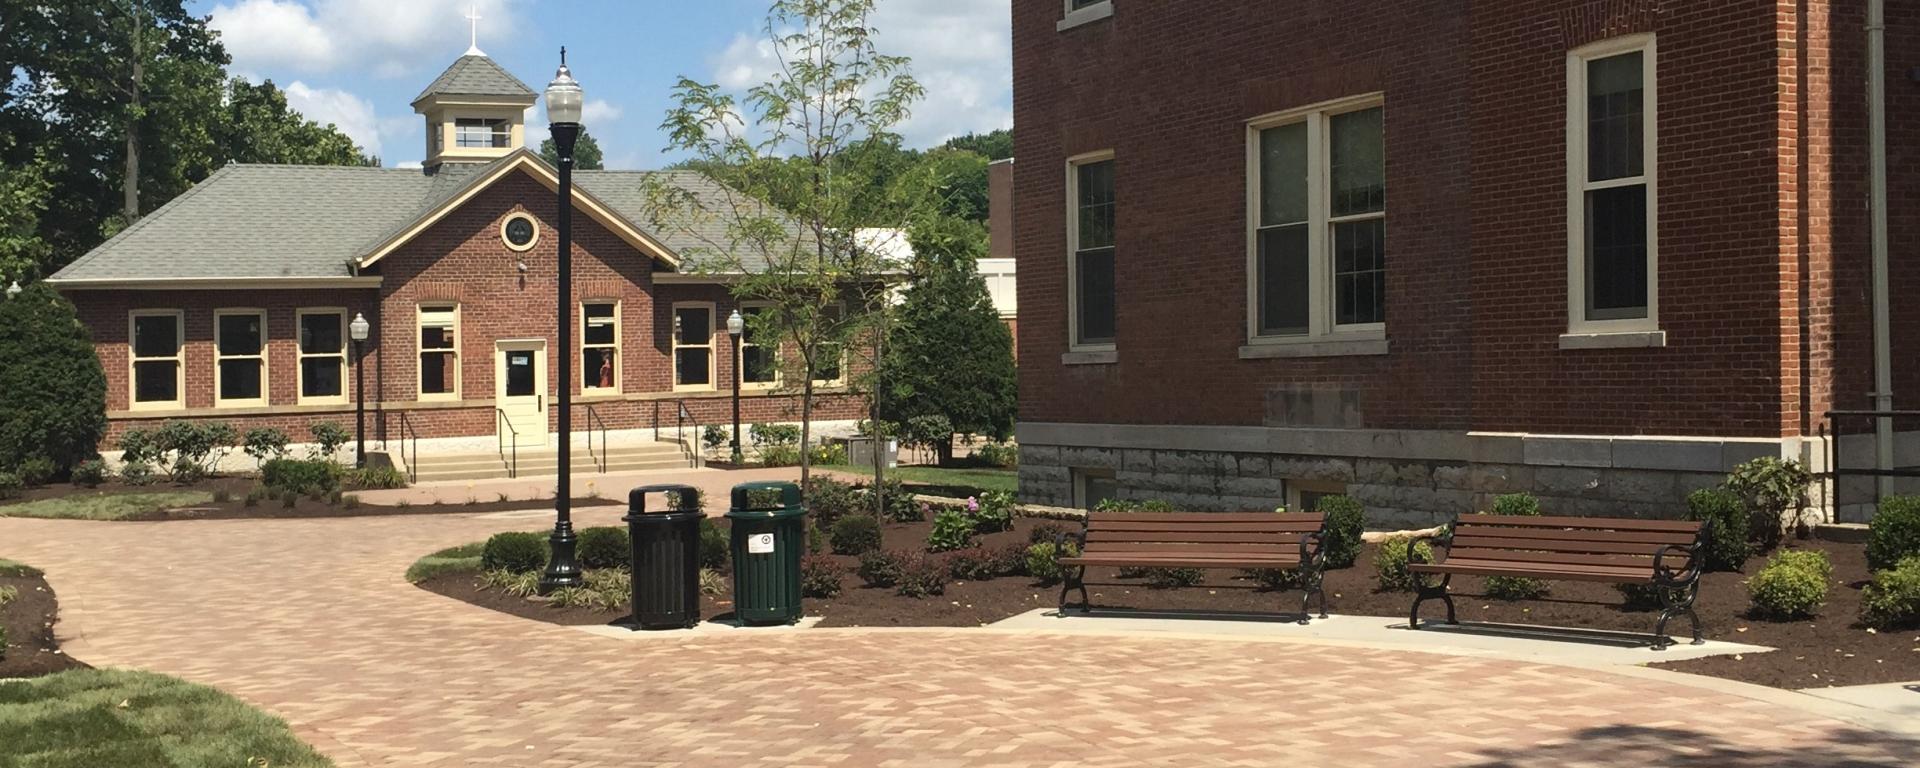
(473, 28)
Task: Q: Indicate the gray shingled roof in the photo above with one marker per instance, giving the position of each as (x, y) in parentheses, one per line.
(473, 75)
(294, 221)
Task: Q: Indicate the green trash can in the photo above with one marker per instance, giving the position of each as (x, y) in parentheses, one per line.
(769, 535)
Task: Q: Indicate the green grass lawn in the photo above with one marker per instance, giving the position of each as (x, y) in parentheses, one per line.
(463, 558)
(92, 718)
(956, 482)
(95, 505)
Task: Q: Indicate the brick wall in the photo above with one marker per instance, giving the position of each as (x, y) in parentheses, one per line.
(1761, 231)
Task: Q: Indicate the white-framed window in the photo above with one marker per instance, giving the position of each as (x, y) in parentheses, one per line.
(1305, 495)
(1092, 486)
(1317, 223)
(693, 365)
(477, 132)
(1612, 187)
(240, 357)
(1078, 12)
(439, 351)
(1091, 289)
(759, 352)
(830, 357)
(600, 346)
(323, 355)
(157, 342)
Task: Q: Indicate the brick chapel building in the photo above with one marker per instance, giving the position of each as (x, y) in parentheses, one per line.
(1424, 252)
(234, 301)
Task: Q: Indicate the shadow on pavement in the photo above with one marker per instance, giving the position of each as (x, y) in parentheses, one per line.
(1683, 748)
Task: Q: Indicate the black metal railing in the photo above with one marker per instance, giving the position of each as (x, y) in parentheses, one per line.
(1836, 469)
(410, 438)
(512, 460)
(595, 423)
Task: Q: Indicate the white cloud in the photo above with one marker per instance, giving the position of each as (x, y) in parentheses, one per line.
(408, 164)
(962, 52)
(599, 112)
(351, 114)
(384, 37)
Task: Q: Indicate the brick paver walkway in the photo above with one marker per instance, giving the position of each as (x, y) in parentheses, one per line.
(312, 620)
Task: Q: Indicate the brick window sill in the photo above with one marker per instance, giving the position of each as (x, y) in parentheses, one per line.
(1352, 348)
(1616, 340)
(1091, 357)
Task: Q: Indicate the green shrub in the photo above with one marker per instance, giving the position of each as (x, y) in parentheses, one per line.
(1894, 533)
(1892, 601)
(1174, 578)
(712, 584)
(1390, 564)
(327, 438)
(265, 444)
(1790, 587)
(898, 506)
(139, 446)
(713, 436)
(816, 539)
(830, 453)
(10, 485)
(256, 495)
(1727, 525)
(819, 577)
(1134, 505)
(784, 435)
(1813, 560)
(194, 447)
(90, 473)
(1346, 520)
(136, 473)
(779, 456)
(881, 567)
(222, 495)
(993, 512)
(376, 478)
(605, 547)
(1040, 564)
(922, 577)
(688, 500)
(308, 477)
(998, 454)
(1515, 587)
(1010, 559)
(1274, 579)
(35, 471)
(290, 500)
(715, 547)
(855, 535)
(952, 529)
(1047, 532)
(828, 500)
(1771, 488)
(516, 552)
(972, 564)
(53, 392)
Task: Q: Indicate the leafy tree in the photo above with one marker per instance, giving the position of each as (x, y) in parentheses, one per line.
(586, 153)
(259, 127)
(949, 354)
(53, 394)
(993, 145)
(946, 182)
(794, 144)
(23, 198)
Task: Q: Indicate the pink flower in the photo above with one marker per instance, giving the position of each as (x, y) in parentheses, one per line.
(973, 504)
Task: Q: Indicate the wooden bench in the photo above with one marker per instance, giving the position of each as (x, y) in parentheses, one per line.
(1197, 540)
(1665, 554)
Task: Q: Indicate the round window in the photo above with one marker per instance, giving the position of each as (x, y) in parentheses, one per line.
(519, 232)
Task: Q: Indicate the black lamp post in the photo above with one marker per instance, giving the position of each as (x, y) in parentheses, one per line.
(737, 325)
(357, 330)
(564, 102)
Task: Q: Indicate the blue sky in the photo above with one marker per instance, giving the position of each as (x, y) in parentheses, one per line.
(357, 63)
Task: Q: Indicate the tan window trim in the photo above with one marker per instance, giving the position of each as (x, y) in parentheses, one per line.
(219, 357)
(419, 325)
(179, 361)
(673, 332)
(619, 375)
(302, 355)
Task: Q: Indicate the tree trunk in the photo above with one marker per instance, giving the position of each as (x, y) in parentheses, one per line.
(806, 431)
(873, 419)
(130, 185)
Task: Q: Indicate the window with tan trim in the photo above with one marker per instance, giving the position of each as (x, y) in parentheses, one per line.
(323, 355)
(240, 357)
(693, 367)
(759, 361)
(157, 343)
(439, 351)
(830, 357)
(1612, 187)
(600, 346)
(1317, 214)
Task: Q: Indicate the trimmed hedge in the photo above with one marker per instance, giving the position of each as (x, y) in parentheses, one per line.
(1346, 520)
(1390, 563)
(1793, 585)
(605, 547)
(1894, 533)
(514, 552)
(855, 535)
(1728, 526)
(1892, 601)
(53, 392)
(301, 477)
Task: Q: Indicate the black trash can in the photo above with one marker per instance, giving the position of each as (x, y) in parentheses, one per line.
(769, 534)
(666, 557)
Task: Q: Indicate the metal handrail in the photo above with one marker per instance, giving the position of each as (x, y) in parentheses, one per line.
(513, 464)
(1833, 433)
(409, 435)
(593, 417)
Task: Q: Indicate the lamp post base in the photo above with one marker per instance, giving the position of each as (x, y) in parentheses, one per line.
(562, 569)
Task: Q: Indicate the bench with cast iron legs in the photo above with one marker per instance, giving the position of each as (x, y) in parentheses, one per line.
(1244, 540)
(1664, 554)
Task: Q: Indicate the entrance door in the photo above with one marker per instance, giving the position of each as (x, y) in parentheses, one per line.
(520, 389)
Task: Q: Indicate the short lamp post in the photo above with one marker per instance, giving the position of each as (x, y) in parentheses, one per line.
(357, 330)
(13, 290)
(565, 100)
(737, 325)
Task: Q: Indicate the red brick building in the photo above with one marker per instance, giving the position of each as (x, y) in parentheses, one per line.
(1426, 252)
(234, 301)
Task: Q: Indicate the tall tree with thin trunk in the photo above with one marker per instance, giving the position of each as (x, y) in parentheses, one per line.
(830, 90)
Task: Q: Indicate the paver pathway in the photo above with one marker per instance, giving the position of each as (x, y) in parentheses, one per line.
(312, 620)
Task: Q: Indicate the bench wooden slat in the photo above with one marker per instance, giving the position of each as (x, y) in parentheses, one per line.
(1651, 538)
(1150, 548)
(1591, 523)
(1206, 517)
(1276, 526)
(1552, 572)
(1104, 535)
(1518, 557)
(1274, 561)
(1484, 540)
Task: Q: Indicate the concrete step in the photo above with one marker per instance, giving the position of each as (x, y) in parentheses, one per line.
(448, 460)
(548, 470)
(545, 462)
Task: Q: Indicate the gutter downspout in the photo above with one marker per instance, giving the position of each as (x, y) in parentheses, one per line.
(1877, 207)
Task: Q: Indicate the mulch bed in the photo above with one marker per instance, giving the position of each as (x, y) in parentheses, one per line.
(235, 507)
(29, 619)
(1831, 650)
